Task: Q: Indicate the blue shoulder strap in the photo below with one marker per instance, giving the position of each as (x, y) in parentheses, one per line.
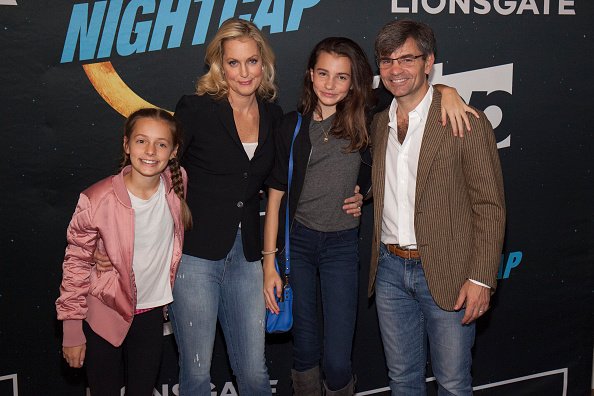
(287, 250)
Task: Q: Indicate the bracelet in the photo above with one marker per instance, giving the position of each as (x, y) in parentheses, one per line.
(270, 252)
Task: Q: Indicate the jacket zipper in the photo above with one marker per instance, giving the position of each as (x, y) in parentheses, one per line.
(132, 282)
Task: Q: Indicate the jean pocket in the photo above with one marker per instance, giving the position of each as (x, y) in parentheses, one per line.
(383, 253)
(351, 235)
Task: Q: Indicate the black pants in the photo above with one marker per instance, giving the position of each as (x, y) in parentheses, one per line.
(135, 363)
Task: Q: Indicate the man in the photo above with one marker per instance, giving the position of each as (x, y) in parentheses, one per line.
(439, 221)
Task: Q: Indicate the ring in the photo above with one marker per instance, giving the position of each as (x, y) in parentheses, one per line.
(480, 311)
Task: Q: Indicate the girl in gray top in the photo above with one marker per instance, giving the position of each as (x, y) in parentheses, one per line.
(324, 237)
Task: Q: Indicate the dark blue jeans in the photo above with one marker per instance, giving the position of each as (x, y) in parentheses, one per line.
(335, 255)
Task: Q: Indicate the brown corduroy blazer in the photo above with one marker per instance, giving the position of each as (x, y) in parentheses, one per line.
(459, 205)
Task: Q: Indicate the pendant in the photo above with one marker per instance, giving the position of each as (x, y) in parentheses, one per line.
(325, 139)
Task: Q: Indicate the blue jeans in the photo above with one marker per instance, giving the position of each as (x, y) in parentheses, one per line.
(230, 289)
(408, 318)
(336, 256)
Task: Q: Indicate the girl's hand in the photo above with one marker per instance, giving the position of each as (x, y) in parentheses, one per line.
(273, 286)
(352, 205)
(454, 109)
(75, 356)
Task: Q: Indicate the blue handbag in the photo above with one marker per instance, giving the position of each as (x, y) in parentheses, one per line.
(283, 321)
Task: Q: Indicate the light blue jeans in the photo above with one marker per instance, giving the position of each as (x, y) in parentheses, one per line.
(408, 318)
(230, 289)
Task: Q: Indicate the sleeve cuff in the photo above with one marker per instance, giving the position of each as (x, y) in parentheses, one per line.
(273, 183)
(73, 333)
(479, 283)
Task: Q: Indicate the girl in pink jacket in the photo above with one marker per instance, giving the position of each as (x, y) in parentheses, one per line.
(114, 319)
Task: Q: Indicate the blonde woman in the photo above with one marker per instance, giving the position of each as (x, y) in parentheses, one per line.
(228, 153)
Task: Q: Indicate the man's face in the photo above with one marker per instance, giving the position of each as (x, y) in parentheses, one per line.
(406, 81)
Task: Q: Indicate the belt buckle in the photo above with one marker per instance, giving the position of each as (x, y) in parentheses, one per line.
(407, 255)
(404, 253)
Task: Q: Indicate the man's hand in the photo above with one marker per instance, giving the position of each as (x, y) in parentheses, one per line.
(352, 205)
(476, 300)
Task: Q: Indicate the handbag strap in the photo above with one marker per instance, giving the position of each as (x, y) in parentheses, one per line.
(287, 247)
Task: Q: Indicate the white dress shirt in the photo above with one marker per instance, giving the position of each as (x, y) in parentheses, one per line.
(398, 222)
(402, 160)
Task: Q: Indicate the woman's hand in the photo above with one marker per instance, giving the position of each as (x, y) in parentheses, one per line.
(352, 205)
(75, 356)
(273, 285)
(454, 109)
(102, 262)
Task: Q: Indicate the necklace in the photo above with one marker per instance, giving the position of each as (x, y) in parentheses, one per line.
(325, 134)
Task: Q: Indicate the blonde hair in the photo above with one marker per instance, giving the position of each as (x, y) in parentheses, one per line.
(213, 82)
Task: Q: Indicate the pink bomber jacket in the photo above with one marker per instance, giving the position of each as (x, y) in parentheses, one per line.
(104, 219)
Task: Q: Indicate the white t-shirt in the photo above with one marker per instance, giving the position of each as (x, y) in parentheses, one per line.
(153, 249)
(250, 149)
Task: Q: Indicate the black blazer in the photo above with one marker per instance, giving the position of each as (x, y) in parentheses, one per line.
(223, 184)
(301, 152)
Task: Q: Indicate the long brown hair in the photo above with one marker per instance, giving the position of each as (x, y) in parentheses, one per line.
(350, 122)
(176, 134)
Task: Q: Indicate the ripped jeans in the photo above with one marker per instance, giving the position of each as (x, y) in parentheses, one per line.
(230, 289)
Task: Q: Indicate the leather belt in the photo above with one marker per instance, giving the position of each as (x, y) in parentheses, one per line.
(403, 253)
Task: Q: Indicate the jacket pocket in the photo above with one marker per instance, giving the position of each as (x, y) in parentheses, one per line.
(104, 286)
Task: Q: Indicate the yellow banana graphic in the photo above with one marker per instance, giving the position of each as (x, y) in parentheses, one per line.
(108, 83)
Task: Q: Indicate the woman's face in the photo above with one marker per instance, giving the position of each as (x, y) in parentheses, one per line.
(331, 79)
(243, 67)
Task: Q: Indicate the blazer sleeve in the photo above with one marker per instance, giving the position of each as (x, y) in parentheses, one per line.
(282, 141)
(71, 306)
(484, 180)
(185, 113)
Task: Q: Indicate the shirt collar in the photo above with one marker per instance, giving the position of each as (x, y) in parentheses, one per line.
(422, 108)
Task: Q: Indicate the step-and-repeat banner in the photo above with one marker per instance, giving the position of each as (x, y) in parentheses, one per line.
(69, 70)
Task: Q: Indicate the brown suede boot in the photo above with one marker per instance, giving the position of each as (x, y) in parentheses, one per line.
(307, 383)
(348, 390)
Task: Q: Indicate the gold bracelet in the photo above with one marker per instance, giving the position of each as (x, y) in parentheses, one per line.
(270, 252)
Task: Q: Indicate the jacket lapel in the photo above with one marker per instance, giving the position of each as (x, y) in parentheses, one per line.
(225, 114)
(379, 144)
(432, 138)
(263, 126)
